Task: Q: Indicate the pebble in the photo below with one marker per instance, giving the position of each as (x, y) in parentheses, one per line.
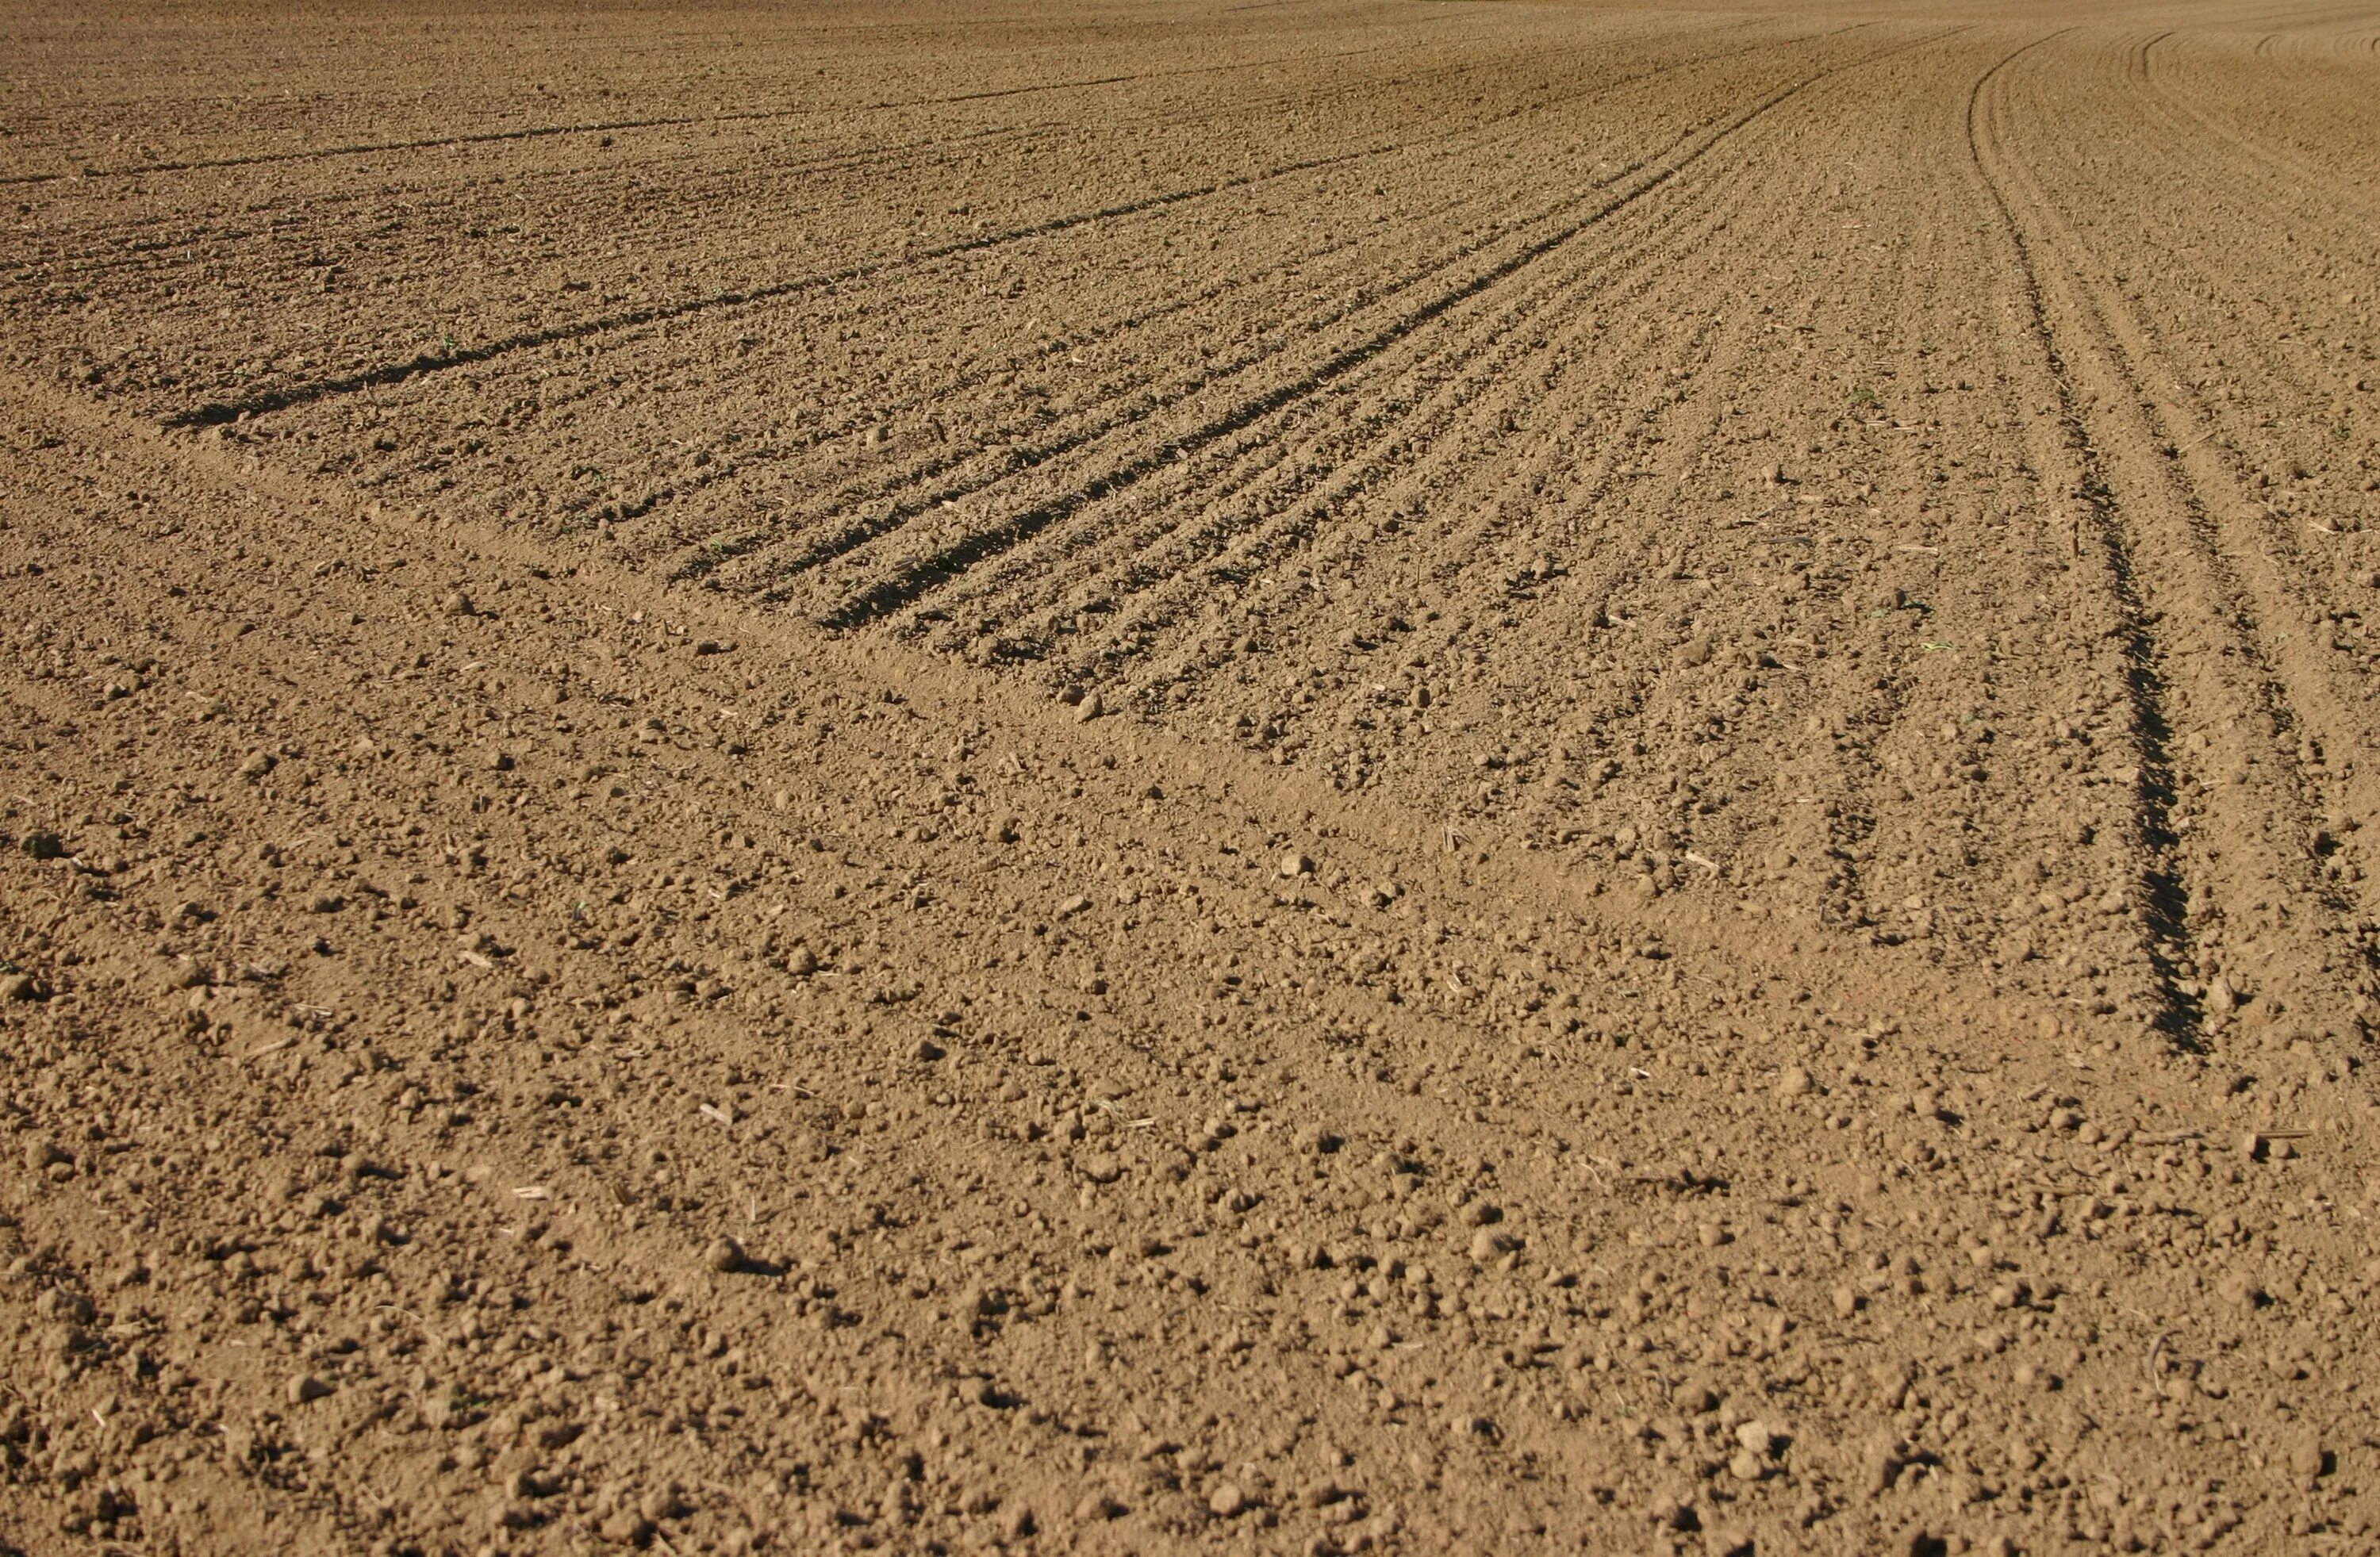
(1089, 708)
(1226, 1500)
(1294, 864)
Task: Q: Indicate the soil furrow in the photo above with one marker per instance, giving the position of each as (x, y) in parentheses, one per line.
(897, 592)
(1364, 777)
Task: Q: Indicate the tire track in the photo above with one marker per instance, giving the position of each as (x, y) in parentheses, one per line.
(2164, 889)
(2140, 510)
(2263, 584)
(2264, 572)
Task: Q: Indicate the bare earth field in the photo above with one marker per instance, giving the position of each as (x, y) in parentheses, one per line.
(1312, 776)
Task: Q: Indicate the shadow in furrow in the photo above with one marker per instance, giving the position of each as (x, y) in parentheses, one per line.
(911, 582)
(220, 412)
(2166, 898)
(673, 121)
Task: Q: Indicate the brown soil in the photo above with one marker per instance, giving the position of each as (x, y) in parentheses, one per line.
(1332, 775)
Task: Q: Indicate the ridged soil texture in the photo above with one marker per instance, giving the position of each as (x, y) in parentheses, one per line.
(1335, 775)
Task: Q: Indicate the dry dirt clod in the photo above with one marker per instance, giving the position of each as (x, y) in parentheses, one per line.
(625, 1527)
(1488, 1244)
(724, 1255)
(1694, 1397)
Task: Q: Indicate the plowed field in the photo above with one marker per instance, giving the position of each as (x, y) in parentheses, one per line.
(1327, 775)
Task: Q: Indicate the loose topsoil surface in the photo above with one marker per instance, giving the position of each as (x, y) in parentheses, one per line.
(1334, 776)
